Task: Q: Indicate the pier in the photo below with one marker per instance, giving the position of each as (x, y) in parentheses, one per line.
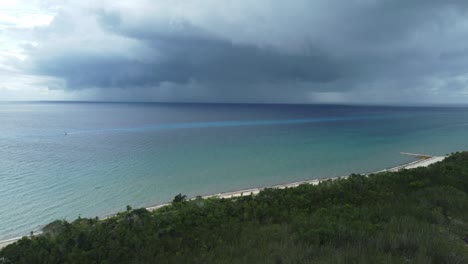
(418, 156)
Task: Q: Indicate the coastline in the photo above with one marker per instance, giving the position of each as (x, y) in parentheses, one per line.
(253, 191)
(422, 162)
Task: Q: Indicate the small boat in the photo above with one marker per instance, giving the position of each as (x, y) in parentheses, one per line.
(65, 133)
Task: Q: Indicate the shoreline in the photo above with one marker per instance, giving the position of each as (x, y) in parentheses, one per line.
(253, 191)
(422, 162)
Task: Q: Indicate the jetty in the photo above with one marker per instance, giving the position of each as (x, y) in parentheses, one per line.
(418, 156)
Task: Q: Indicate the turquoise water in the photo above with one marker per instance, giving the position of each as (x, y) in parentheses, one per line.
(118, 154)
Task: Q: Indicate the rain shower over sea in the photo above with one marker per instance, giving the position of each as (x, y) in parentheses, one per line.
(61, 160)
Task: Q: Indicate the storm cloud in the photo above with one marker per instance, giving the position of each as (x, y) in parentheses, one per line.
(255, 51)
(184, 58)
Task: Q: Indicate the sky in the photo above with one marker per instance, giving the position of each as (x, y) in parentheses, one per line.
(236, 51)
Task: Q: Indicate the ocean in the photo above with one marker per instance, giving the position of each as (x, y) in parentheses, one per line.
(61, 160)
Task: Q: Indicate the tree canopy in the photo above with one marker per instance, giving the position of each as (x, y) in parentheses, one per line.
(416, 216)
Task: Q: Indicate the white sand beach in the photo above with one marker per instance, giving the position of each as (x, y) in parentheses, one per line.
(424, 162)
(253, 191)
(8, 242)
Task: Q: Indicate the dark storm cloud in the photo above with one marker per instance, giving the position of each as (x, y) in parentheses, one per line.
(308, 46)
(189, 54)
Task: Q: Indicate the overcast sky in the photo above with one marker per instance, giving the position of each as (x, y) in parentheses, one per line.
(266, 51)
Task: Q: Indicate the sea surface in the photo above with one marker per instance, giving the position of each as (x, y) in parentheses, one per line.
(118, 154)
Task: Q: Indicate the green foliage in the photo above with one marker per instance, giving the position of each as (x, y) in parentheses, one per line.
(412, 216)
(179, 198)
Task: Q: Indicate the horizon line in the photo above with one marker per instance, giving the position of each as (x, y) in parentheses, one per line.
(246, 103)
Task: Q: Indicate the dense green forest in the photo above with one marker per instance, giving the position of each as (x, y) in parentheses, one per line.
(411, 216)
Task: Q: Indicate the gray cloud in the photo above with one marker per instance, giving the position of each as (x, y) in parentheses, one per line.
(185, 54)
(267, 51)
(185, 58)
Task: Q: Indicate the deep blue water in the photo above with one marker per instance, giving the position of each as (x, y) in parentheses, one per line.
(118, 154)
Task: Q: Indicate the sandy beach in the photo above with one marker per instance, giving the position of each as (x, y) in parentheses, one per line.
(253, 191)
(8, 242)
